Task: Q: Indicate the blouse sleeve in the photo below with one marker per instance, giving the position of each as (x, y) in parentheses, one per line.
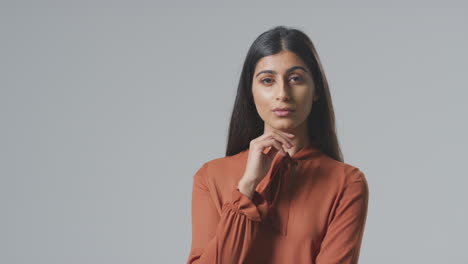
(225, 238)
(343, 238)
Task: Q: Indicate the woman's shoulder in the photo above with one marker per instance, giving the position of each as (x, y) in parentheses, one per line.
(229, 159)
(220, 168)
(342, 172)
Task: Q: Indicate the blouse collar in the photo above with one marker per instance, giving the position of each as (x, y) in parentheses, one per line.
(305, 152)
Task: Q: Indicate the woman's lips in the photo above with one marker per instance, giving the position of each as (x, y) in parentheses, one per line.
(283, 112)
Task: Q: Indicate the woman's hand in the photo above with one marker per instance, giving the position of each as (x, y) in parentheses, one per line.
(262, 151)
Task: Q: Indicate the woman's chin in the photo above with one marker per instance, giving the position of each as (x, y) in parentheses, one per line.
(284, 125)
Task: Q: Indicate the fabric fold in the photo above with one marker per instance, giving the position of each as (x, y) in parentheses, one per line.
(255, 209)
(277, 194)
(270, 197)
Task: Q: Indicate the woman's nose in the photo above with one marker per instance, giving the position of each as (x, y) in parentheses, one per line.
(282, 91)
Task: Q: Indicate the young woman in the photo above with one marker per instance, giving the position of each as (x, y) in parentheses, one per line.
(283, 193)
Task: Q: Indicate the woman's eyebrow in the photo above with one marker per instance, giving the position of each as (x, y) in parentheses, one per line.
(287, 71)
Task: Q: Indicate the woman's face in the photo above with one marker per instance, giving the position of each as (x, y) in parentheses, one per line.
(283, 80)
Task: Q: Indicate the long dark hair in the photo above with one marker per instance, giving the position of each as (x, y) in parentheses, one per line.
(246, 124)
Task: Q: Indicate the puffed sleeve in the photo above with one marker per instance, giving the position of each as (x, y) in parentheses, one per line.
(343, 238)
(225, 238)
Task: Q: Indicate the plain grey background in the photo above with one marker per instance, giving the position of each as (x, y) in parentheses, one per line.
(107, 109)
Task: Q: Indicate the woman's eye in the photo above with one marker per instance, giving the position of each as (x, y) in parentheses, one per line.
(298, 78)
(263, 81)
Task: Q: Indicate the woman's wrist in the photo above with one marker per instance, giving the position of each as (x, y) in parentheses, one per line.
(247, 187)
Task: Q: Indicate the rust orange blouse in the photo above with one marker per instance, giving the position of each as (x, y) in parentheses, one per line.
(309, 208)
